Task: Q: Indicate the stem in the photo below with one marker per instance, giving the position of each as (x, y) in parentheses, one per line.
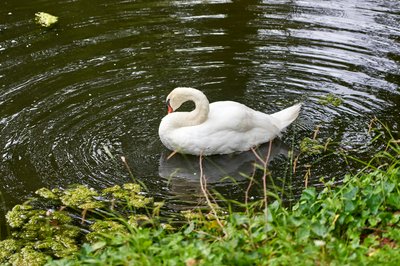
(265, 173)
(203, 186)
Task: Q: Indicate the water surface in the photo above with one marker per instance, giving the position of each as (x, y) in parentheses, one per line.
(76, 97)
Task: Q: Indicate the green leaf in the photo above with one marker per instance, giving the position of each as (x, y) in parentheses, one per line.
(303, 233)
(189, 229)
(374, 202)
(98, 245)
(394, 201)
(319, 229)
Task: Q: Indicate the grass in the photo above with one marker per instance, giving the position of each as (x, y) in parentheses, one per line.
(356, 222)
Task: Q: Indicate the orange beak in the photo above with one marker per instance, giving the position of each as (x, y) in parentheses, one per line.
(170, 110)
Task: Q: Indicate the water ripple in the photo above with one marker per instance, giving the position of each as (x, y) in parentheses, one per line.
(76, 97)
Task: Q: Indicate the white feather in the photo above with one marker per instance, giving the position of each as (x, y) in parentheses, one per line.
(220, 127)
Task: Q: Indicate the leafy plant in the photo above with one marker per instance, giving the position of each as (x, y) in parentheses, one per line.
(43, 232)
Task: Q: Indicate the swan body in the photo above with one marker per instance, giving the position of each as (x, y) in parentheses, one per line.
(220, 127)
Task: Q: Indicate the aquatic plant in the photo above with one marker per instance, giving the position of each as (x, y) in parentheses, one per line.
(352, 223)
(46, 227)
(330, 98)
(45, 19)
(37, 233)
(355, 223)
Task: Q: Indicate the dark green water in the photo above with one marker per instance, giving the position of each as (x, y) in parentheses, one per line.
(95, 85)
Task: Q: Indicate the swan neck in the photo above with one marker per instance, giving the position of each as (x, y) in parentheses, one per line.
(200, 113)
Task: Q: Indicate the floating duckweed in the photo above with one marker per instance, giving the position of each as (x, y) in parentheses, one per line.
(63, 246)
(39, 234)
(28, 256)
(132, 187)
(111, 190)
(46, 193)
(101, 227)
(81, 197)
(7, 248)
(45, 19)
(18, 215)
(61, 217)
(49, 233)
(129, 193)
(311, 146)
(330, 99)
(138, 201)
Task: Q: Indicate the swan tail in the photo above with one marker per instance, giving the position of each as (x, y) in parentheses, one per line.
(285, 117)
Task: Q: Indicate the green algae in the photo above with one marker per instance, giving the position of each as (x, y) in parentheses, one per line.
(130, 194)
(101, 227)
(311, 146)
(47, 193)
(330, 98)
(45, 19)
(38, 235)
(28, 256)
(81, 197)
(47, 226)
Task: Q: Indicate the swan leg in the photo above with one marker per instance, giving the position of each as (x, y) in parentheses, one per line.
(172, 154)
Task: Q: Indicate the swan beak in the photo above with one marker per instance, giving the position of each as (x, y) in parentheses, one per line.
(170, 110)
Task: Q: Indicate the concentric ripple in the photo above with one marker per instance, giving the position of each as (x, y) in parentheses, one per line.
(77, 97)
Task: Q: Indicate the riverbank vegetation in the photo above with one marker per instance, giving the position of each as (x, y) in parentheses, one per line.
(352, 222)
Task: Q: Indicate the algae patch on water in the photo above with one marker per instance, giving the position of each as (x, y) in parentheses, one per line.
(311, 146)
(52, 225)
(45, 19)
(330, 99)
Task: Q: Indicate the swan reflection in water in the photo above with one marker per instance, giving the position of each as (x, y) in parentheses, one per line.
(182, 172)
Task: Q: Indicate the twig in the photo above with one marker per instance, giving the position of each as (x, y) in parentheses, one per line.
(246, 199)
(265, 172)
(172, 154)
(83, 216)
(203, 186)
(316, 131)
(123, 159)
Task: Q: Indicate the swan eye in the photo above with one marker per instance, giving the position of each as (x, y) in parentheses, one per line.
(170, 110)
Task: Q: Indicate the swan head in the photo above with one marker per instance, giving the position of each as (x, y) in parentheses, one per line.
(183, 94)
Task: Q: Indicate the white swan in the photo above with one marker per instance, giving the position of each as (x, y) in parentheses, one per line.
(220, 127)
